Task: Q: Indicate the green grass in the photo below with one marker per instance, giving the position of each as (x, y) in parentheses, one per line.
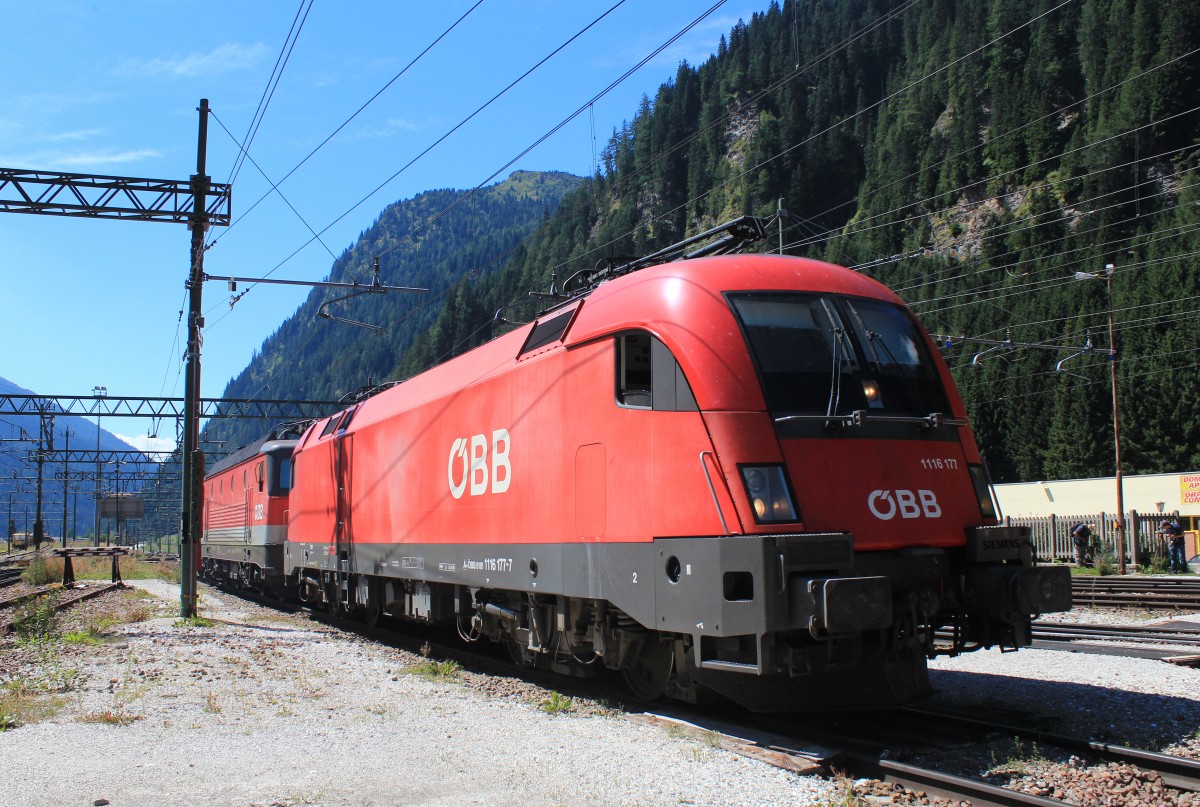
(31, 698)
(437, 670)
(100, 568)
(37, 620)
(1103, 566)
(40, 573)
(194, 622)
(23, 702)
(557, 704)
(1019, 760)
(82, 637)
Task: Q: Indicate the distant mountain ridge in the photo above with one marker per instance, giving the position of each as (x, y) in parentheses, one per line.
(81, 429)
(16, 471)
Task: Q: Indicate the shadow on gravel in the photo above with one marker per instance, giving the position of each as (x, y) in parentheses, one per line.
(1105, 714)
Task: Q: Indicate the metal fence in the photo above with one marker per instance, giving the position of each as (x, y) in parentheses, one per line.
(1052, 534)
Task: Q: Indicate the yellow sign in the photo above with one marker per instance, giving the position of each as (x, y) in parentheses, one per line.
(1189, 489)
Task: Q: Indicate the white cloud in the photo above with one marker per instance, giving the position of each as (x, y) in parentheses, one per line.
(227, 58)
(389, 128)
(50, 160)
(106, 158)
(78, 134)
(152, 444)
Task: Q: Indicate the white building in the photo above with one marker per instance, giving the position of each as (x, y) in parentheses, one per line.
(1148, 494)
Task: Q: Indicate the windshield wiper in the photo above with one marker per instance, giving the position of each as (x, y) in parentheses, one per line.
(859, 417)
(835, 383)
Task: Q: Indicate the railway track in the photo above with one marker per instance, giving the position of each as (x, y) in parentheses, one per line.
(808, 745)
(1180, 593)
(1178, 772)
(69, 597)
(1177, 642)
(10, 577)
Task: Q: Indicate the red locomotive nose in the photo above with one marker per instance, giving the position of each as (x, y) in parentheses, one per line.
(921, 495)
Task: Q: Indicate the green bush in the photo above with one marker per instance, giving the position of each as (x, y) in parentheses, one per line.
(37, 620)
(38, 573)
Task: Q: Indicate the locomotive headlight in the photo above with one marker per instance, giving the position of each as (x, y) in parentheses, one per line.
(767, 489)
(873, 394)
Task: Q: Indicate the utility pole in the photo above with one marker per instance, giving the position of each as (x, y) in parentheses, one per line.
(66, 476)
(99, 392)
(780, 215)
(38, 527)
(1109, 270)
(193, 460)
(1122, 538)
(137, 199)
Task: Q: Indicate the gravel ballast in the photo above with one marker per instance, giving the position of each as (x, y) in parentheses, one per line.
(267, 709)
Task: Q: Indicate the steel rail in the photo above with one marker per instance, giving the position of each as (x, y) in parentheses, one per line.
(1178, 772)
(62, 605)
(937, 783)
(1064, 632)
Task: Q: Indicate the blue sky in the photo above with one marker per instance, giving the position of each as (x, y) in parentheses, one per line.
(112, 88)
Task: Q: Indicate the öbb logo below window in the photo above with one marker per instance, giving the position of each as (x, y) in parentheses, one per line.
(887, 504)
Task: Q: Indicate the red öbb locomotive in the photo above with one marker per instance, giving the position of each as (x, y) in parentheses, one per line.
(745, 474)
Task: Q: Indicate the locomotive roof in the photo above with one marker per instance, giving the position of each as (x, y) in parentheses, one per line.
(682, 302)
(251, 450)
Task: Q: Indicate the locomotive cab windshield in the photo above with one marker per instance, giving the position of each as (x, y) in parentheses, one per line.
(823, 357)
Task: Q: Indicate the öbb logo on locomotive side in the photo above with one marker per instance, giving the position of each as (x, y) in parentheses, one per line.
(885, 504)
(468, 465)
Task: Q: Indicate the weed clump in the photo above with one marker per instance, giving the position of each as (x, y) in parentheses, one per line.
(557, 704)
(39, 573)
(37, 620)
(437, 670)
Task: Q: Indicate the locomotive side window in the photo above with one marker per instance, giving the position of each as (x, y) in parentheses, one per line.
(283, 475)
(649, 377)
(330, 425)
(633, 370)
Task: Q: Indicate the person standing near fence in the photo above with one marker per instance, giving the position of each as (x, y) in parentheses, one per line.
(1081, 534)
(1172, 535)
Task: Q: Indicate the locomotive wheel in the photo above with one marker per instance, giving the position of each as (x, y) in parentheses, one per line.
(647, 675)
(333, 600)
(373, 608)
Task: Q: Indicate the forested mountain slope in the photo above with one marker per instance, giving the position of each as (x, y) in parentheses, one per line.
(973, 156)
